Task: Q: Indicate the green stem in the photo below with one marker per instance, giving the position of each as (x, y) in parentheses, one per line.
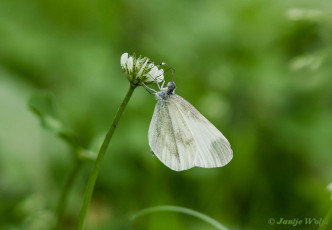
(187, 211)
(64, 194)
(99, 160)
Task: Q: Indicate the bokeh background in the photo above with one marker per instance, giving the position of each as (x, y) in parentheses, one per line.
(259, 70)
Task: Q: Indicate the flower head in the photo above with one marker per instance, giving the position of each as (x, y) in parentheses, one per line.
(140, 70)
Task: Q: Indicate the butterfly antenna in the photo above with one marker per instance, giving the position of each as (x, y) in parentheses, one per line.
(168, 69)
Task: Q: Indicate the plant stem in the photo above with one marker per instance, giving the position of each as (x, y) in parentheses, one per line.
(99, 160)
(187, 211)
(64, 194)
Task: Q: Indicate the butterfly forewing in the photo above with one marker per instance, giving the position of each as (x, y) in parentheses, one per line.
(181, 137)
(170, 138)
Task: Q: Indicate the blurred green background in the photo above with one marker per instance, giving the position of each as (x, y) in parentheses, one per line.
(259, 70)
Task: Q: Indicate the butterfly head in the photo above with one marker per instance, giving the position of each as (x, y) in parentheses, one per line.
(164, 93)
(170, 88)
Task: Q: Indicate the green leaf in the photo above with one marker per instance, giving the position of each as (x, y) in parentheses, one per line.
(42, 104)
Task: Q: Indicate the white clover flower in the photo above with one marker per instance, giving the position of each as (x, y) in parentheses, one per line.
(140, 70)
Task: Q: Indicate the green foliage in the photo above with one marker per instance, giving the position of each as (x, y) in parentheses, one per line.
(43, 105)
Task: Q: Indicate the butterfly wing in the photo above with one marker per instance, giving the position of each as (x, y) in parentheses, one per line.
(182, 138)
(170, 138)
(213, 149)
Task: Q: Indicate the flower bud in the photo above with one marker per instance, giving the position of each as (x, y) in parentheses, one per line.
(140, 70)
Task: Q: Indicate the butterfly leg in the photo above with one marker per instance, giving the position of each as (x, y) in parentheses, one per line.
(148, 89)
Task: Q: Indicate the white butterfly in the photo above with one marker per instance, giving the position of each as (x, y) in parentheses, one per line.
(182, 138)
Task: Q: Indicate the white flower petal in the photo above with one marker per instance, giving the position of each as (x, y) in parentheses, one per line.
(138, 63)
(130, 64)
(151, 65)
(142, 69)
(124, 58)
(160, 75)
(153, 73)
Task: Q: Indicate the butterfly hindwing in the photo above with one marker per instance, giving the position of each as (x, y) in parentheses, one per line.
(213, 148)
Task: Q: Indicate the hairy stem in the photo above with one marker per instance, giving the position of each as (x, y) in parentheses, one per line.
(99, 160)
